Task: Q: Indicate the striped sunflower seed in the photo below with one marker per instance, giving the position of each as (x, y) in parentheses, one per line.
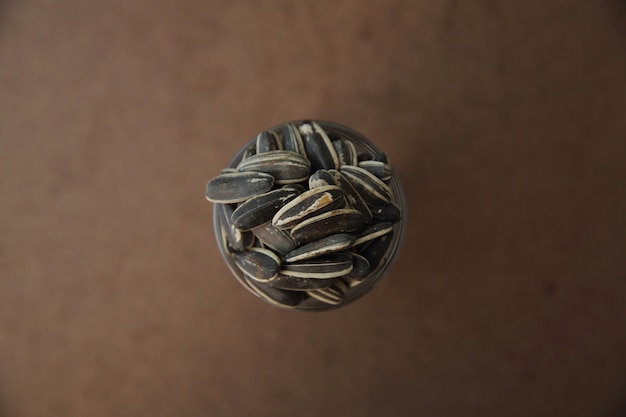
(287, 282)
(275, 296)
(267, 141)
(237, 187)
(261, 208)
(378, 168)
(250, 150)
(332, 265)
(292, 140)
(326, 224)
(333, 295)
(376, 250)
(360, 268)
(285, 166)
(346, 152)
(322, 177)
(274, 238)
(334, 243)
(258, 264)
(318, 147)
(372, 232)
(307, 204)
(353, 198)
(373, 190)
(236, 239)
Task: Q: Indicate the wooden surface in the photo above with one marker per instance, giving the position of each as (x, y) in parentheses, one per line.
(505, 121)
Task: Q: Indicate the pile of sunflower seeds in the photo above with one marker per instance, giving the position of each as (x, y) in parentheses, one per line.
(304, 215)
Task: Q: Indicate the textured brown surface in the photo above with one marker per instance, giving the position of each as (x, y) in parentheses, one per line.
(505, 120)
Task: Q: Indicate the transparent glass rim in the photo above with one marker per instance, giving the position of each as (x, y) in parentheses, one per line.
(356, 292)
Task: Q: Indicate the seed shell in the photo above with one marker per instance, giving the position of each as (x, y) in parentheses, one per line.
(333, 295)
(236, 239)
(377, 249)
(308, 204)
(258, 264)
(360, 268)
(389, 213)
(261, 208)
(292, 140)
(334, 243)
(238, 186)
(318, 147)
(353, 198)
(378, 168)
(267, 141)
(346, 152)
(332, 265)
(320, 178)
(372, 232)
(275, 296)
(373, 190)
(326, 224)
(285, 166)
(274, 238)
(287, 282)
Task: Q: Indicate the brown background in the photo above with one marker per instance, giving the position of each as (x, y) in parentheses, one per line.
(505, 121)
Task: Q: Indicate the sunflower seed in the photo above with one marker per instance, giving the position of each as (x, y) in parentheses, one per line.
(257, 263)
(326, 224)
(372, 232)
(353, 198)
(333, 295)
(319, 148)
(229, 171)
(377, 249)
(389, 213)
(332, 265)
(360, 268)
(307, 204)
(286, 282)
(267, 141)
(381, 157)
(274, 238)
(292, 141)
(275, 296)
(363, 156)
(374, 191)
(261, 208)
(320, 178)
(235, 238)
(334, 243)
(237, 187)
(250, 150)
(346, 152)
(285, 166)
(378, 168)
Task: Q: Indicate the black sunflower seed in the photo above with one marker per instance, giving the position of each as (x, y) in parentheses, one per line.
(378, 168)
(285, 166)
(332, 265)
(238, 186)
(326, 224)
(373, 190)
(334, 243)
(322, 177)
(236, 239)
(360, 268)
(334, 295)
(377, 249)
(267, 141)
(274, 238)
(261, 208)
(353, 198)
(292, 140)
(307, 204)
(258, 264)
(275, 296)
(389, 213)
(319, 148)
(382, 157)
(372, 232)
(287, 282)
(346, 152)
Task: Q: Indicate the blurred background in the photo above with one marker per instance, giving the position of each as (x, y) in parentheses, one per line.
(504, 120)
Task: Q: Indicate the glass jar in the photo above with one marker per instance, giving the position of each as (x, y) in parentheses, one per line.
(356, 289)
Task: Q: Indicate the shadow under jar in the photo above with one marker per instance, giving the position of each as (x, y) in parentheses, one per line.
(308, 215)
